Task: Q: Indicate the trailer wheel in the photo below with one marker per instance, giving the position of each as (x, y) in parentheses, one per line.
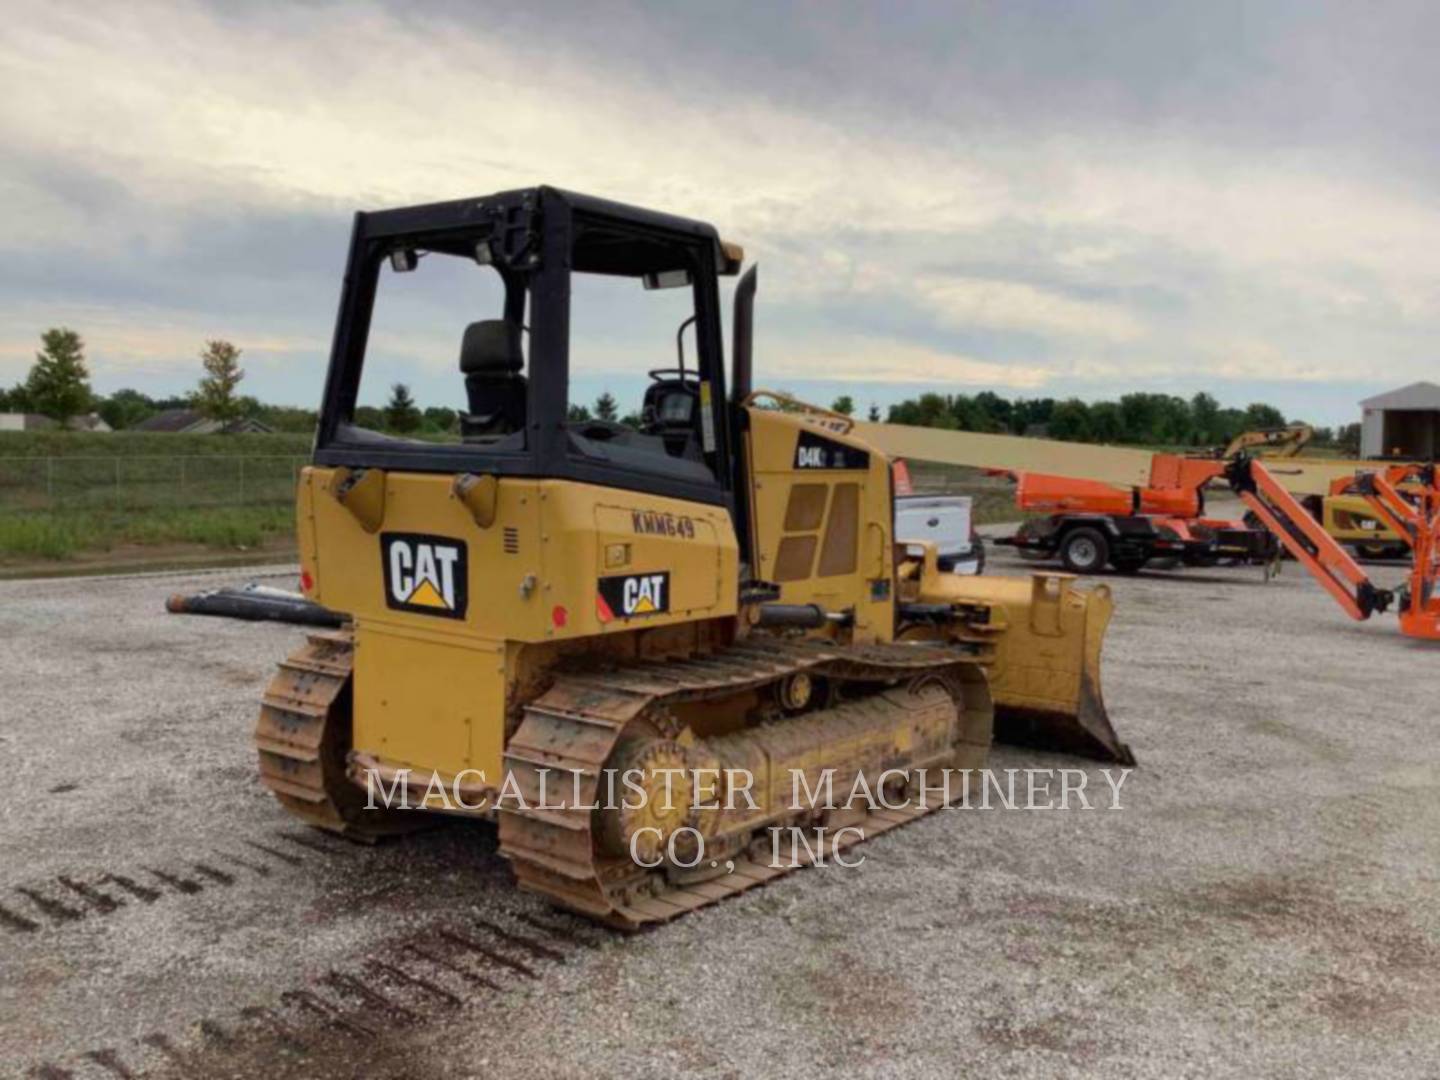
(1085, 551)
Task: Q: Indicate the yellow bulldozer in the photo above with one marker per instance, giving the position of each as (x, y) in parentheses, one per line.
(545, 601)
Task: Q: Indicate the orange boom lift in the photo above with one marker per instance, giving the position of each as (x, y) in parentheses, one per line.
(1092, 523)
(1413, 513)
(1405, 498)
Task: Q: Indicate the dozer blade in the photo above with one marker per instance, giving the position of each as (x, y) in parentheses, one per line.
(1045, 638)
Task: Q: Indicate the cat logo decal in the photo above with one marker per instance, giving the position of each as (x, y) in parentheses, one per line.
(425, 574)
(628, 596)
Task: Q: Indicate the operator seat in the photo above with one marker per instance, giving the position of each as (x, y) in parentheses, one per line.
(491, 360)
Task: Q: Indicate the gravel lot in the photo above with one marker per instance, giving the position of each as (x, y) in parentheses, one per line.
(1265, 902)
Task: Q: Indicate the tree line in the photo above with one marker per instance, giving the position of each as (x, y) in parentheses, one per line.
(1138, 418)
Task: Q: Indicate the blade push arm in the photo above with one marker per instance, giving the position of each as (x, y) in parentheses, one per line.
(1304, 538)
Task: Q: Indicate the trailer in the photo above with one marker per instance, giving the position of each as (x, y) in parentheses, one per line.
(1090, 525)
(1088, 542)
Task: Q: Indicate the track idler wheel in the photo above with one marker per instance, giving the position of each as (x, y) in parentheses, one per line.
(655, 798)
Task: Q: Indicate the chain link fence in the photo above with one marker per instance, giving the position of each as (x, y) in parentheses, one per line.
(144, 482)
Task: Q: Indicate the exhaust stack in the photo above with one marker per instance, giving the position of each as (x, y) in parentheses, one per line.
(742, 338)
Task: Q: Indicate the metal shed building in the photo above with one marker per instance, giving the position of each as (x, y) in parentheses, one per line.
(1402, 423)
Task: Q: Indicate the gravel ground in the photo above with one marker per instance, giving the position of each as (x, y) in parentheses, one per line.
(1264, 902)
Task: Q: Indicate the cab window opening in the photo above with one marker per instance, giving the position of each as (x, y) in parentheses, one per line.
(631, 316)
(445, 357)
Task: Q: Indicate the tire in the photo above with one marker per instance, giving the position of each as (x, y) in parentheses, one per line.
(1375, 551)
(1085, 551)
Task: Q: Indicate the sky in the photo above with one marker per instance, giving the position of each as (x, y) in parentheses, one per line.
(1035, 198)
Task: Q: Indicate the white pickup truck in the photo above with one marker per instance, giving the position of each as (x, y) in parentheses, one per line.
(945, 521)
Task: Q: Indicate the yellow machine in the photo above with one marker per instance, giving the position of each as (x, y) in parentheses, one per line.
(715, 592)
(1349, 516)
(1351, 521)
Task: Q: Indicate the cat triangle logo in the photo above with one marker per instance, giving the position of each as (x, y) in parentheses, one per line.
(426, 596)
(644, 606)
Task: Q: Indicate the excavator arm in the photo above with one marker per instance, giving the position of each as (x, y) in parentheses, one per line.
(1285, 441)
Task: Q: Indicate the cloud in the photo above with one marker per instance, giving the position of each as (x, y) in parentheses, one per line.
(888, 361)
(1018, 197)
(1014, 305)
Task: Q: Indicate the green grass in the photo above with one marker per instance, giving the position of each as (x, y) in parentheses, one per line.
(64, 534)
(125, 489)
(127, 443)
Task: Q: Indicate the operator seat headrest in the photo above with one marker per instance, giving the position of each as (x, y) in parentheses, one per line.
(491, 347)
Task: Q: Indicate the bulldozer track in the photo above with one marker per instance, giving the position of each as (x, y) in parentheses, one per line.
(303, 735)
(576, 725)
(399, 986)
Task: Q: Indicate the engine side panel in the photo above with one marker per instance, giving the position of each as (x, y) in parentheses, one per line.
(823, 519)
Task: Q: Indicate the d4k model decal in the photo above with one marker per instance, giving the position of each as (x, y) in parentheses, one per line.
(814, 451)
